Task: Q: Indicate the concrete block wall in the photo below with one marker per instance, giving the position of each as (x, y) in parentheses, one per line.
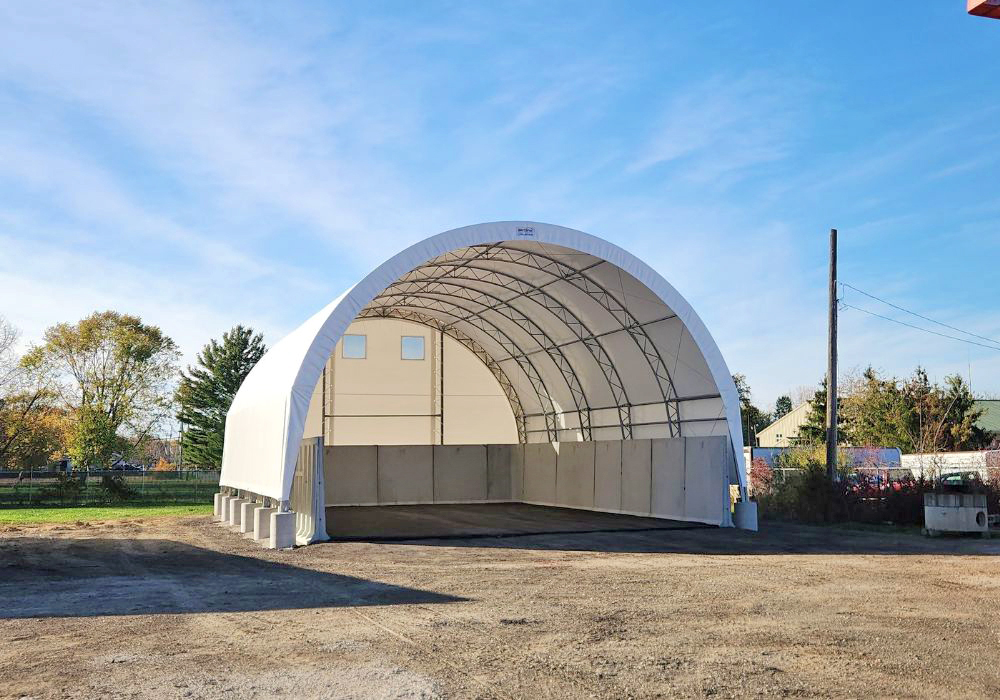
(675, 478)
(414, 474)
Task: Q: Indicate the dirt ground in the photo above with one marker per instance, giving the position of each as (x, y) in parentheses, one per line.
(182, 608)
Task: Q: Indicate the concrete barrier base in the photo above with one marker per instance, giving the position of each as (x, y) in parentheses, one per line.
(236, 511)
(224, 510)
(217, 510)
(282, 530)
(262, 523)
(745, 515)
(246, 516)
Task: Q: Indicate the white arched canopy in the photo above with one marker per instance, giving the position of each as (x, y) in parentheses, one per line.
(586, 340)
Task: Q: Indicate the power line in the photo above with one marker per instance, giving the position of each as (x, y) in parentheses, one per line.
(925, 330)
(914, 313)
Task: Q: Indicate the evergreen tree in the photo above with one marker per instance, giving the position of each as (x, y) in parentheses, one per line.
(782, 407)
(206, 391)
(813, 431)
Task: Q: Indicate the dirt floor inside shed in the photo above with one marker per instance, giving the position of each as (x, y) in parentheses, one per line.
(181, 608)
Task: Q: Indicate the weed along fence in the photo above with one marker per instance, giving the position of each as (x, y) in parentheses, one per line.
(86, 488)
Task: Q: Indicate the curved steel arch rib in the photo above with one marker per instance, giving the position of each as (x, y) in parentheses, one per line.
(578, 278)
(470, 343)
(526, 290)
(431, 306)
(516, 316)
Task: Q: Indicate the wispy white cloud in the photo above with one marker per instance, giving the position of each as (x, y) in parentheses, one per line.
(721, 128)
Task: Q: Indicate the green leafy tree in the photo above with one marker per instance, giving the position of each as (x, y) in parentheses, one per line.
(754, 419)
(877, 411)
(206, 391)
(782, 407)
(113, 374)
(914, 415)
(31, 424)
(941, 418)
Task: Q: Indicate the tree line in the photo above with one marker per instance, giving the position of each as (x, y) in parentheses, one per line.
(911, 413)
(106, 389)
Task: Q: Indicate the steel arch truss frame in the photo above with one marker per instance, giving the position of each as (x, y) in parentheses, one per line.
(470, 343)
(513, 350)
(539, 335)
(578, 278)
(534, 293)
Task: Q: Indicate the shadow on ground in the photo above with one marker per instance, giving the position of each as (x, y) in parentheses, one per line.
(49, 577)
(522, 526)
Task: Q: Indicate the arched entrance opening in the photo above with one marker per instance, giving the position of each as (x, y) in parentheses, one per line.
(619, 397)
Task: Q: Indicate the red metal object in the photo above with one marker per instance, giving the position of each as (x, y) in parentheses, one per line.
(984, 8)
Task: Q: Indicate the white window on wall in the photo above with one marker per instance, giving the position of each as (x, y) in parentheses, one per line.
(354, 347)
(412, 347)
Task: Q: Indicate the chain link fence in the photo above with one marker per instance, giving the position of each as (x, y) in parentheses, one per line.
(107, 487)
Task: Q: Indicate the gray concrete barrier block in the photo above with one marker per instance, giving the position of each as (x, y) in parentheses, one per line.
(460, 473)
(217, 509)
(236, 511)
(262, 523)
(282, 530)
(745, 515)
(246, 516)
(224, 512)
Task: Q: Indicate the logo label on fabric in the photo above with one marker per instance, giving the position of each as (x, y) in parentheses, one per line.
(525, 232)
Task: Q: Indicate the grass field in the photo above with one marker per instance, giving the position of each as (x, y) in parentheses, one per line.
(14, 516)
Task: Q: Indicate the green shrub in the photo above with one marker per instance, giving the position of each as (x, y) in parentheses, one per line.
(115, 488)
(66, 489)
(805, 495)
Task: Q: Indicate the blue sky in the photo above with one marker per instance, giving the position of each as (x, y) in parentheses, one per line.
(206, 164)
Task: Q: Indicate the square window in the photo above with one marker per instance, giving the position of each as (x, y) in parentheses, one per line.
(412, 347)
(355, 347)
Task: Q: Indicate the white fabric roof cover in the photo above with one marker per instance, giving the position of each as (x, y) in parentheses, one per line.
(587, 341)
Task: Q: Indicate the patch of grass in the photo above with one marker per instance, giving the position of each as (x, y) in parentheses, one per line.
(24, 516)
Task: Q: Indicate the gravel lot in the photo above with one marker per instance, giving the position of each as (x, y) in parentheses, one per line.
(181, 608)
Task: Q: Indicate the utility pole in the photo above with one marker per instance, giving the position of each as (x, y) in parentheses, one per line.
(831, 367)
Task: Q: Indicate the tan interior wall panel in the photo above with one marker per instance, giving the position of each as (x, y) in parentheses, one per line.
(705, 470)
(350, 474)
(405, 474)
(608, 475)
(668, 499)
(459, 473)
(499, 472)
(636, 476)
(575, 475)
(540, 472)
